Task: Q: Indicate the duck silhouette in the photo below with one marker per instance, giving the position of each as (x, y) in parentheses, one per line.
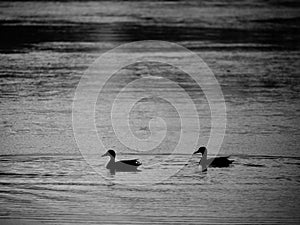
(212, 162)
(122, 165)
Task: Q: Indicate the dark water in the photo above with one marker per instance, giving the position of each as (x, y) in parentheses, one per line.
(252, 47)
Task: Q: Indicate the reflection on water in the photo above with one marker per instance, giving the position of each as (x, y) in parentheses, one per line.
(62, 188)
(251, 46)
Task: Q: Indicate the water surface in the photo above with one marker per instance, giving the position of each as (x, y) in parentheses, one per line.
(252, 47)
(58, 189)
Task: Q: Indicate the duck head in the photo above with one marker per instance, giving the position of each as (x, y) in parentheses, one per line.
(200, 150)
(110, 153)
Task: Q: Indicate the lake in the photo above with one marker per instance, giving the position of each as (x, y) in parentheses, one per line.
(251, 48)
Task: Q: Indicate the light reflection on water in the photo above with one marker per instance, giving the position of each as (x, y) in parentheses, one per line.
(57, 188)
(253, 49)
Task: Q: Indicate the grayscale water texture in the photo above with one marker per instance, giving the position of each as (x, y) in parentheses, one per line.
(253, 49)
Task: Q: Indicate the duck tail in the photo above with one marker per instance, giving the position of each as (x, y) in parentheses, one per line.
(229, 160)
(138, 163)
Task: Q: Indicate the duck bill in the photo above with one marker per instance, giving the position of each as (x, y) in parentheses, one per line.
(105, 154)
(195, 152)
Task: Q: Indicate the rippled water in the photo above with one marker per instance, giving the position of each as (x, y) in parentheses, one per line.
(252, 47)
(63, 189)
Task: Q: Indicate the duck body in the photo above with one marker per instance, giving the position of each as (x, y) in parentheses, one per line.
(219, 161)
(212, 162)
(122, 165)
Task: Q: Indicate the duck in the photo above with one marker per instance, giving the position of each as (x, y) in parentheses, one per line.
(122, 165)
(212, 162)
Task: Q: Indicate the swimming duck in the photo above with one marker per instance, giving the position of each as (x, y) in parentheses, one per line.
(213, 162)
(123, 165)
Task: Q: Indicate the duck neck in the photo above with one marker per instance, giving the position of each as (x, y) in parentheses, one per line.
(203, 161)
(111, 162)
(112, 159)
